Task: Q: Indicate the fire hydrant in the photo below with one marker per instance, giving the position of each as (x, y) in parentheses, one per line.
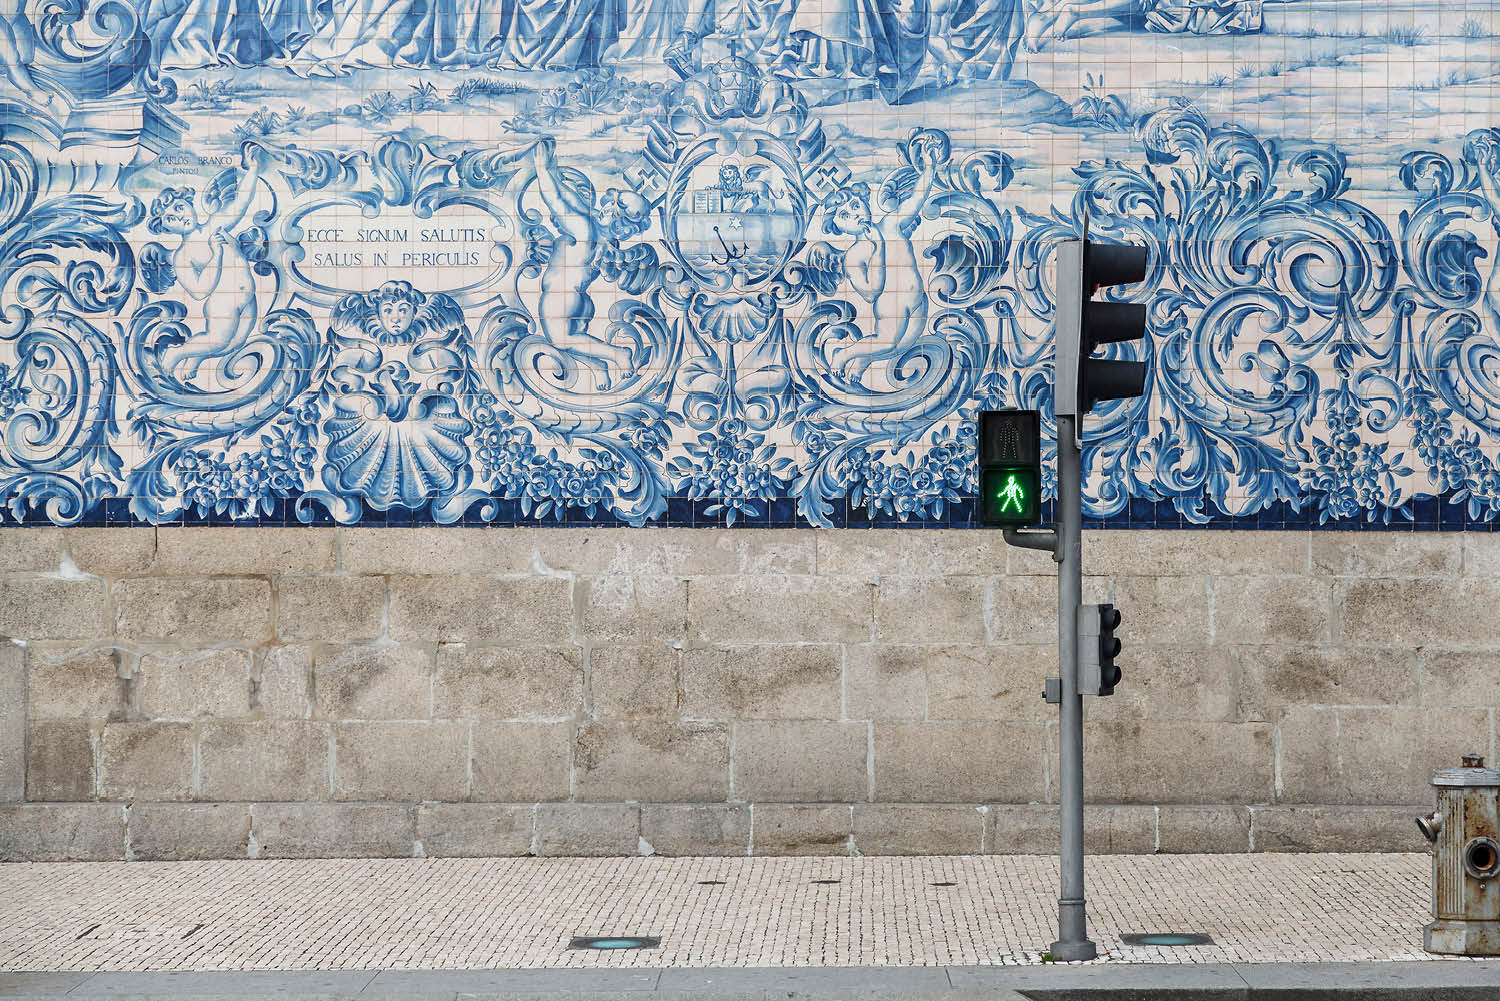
(1465, 833)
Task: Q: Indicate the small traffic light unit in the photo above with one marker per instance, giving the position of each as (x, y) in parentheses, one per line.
(1010, 467)
(1097, 649)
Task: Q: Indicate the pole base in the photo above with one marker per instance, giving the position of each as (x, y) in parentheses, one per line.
(1073, 952)
(1462, 938)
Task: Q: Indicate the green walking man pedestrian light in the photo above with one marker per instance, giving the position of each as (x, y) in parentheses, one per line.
(1010, 468)
(1013, 496)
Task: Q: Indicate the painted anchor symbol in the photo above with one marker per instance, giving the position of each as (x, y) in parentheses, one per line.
(730, 253)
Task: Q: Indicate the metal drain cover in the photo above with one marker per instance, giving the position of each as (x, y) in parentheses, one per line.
(1167, 938)
(614, 942)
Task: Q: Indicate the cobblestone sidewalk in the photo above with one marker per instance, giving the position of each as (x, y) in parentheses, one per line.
(750, 912)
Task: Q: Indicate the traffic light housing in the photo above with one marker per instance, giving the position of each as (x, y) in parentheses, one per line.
(1085, 325)
(1010, 467)
(1097, 649)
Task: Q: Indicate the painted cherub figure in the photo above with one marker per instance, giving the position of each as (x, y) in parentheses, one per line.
(881, 265)
(208, 261)
(586, 233)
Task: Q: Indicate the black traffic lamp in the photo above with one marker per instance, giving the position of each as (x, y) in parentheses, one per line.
(1084, 325)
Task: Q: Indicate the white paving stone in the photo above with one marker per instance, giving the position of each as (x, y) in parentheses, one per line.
(350, 914)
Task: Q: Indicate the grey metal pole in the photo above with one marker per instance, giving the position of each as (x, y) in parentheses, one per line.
(1072, 925)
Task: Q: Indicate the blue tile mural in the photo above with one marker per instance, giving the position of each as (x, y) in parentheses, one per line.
(745, 262)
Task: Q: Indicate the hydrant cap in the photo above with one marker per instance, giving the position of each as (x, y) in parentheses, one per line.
(1472, 773)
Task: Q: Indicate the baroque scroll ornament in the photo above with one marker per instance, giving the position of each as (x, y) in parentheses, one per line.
(730, 315)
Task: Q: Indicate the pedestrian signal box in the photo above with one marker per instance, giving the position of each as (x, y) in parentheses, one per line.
(1010, 467)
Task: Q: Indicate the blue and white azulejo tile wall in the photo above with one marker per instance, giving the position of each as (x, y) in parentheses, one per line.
(738, 261)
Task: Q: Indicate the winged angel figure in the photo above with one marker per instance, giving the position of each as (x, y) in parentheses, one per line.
(880, 263)
(209, 269)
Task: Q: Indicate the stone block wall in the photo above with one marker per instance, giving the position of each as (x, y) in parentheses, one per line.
(220, 692)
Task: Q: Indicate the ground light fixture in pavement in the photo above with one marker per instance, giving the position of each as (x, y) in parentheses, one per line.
(614, 942)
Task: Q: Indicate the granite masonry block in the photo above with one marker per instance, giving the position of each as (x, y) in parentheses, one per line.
(449, 550)
(59, 760)
(1272, 610)
(171, 831)
(885, 829)
(184, 684)
(1387, 554)
(670, 552)
(762, 682)
(780, 609)
(1275, 679)
(960, 762)
(114, 552)
(513, 611)
(930, 609)
(62, 832)
(1458, 678)
(651, 761)
(34, 549)
(1175, 553)
(150, 761)
(635, 682)
(886, 682)
(64, 681)
(621, 608)
(1337, 828)
(1021, 610)
(507, 682)
(1108, 829)
(282, 681)
(770, 551)
(796, 829)
(267, 760)
(986, 683)
(330, 608)
(332, 830)
(204, 609)
(699, 829)
(800, 761)
(939, 552)
(1370, 756)
(586, 829)
(12, 722)
(1178, 761)
(474, 830)
(245, 552)
(1419, 611)
(34, 607)
(1166, 683)
(1192, 830)
(1481, 553)
(378, 681)
(1162, 611)
(521, 762)
(388, 760)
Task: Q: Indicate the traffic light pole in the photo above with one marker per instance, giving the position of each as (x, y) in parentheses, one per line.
(1072, 919)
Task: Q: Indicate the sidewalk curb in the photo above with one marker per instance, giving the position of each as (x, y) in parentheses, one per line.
(1390, 981)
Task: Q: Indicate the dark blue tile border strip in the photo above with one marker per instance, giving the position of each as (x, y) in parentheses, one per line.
(1425, 514)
